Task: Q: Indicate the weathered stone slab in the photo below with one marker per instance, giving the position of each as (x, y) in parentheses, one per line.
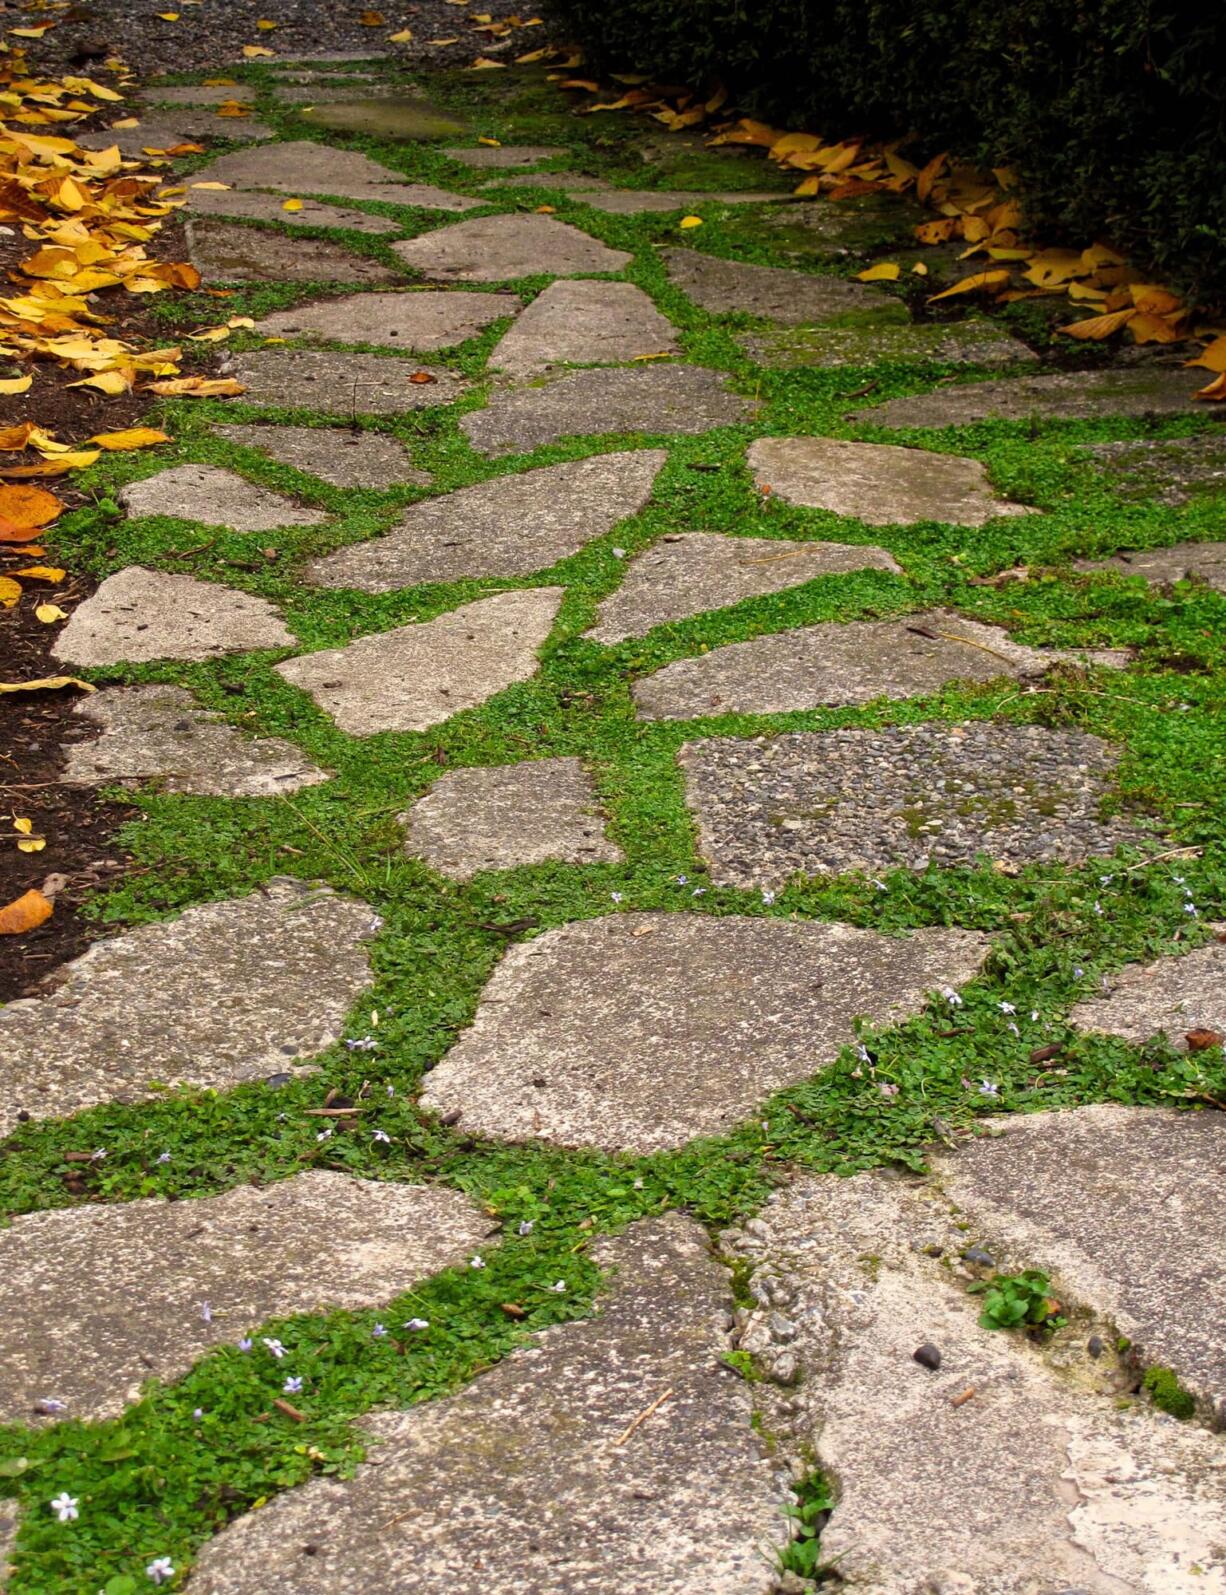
(160, 733)
(1123, 1206)
(317, 90)
(302, 167)
(332, 383)
(586, 323)
(990, 1473)
(200, 93)
(836, 664)
(163, 131)
(217, 497)
(869, 340)
(499, 248)
(690, 572)
(507, 526)
(863, 225)
(496, 157)
(635, 202)
(227, 992)
(250, 205)
(877, 483)
(418, 320)
(1169, 997)
(572, 1027)
(396, 116)
(342, 456)
(565, 182)
(140, 614)
(527, 1481)
(315, 1242)
(1204, 562)
(508, 816)
(225, 251)
(817, 803)
(1058, 396)
(417, 676)
(1163, 470)
(656, 399)
(791, 298)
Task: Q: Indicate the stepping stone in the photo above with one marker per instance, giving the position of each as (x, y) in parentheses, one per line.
(317, 91)
(858, 227)
(688, 573)
(657, 399)
(389, 116)
(217, 498)
(302, 167)
(525, 1480)
(227, 992)
(839, 664)
(1144, 1238)
(161, 734)
(500, 248)
(139, 615)
(328, 58)
(634, 202)
(877, 483)
(230, 252)
(819, 803)
(865, 340)
(502, 818)
(340, 384)
(1059, 396)
(508, 526)
(420, 675)
(565, 182)
(496, 157)
(200, 93)
(788, 297)
(252, 206)
(569, 1036)
(418, 320)
(1163, 470)
(1034, 1481)
(313, 1243)
(167, 130)
(341, 456)
(1204, 562)
(1168, 997)
(584, 323)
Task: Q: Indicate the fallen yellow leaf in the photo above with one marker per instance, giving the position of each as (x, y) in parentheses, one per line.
(23, 508)
(210, 185)
(253, 50)
(10, 592)
(25, 913)
(136, 437)
(1212, 356)
(885, 271)
(169, 16)
(1099, 327)
(47, 684)
(50, 613)
(1147, 328)
(403, 37)
(15, 384)
(981, 282)
(1215, 391)
(265, 26)
(690, 221)
(41, 573)
(494, 143)
(291, 204)
(484, 64)
(197, 387)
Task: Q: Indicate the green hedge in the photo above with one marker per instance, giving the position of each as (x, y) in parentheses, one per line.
(1112, 111)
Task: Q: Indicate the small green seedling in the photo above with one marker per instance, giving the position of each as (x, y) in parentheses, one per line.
(1019, 1301)
(813, 1504)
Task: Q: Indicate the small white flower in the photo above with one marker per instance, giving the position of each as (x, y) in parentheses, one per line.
(526, 1226)
(1190, 908)
(880, 885)
(987, 1089)
(1098, 908)
(206, 1313)
(862, 1052)
(699, 891)
(951, 997)
(887, 1090)
(197, 1412)
(683, 880)
(97, 1154)
(418, 1323)
(65, 1507)
(160, 1569)
(619, 553)
(1105, 880)
(476, 1262)
(362, 1044)
(292, 1385)
(325, 1134)
(1006, 1007)
(274, 1346)
(616, 896)
(379, 1331)
(376, 922)
(245, 1343)
(1179, 880)
(49, 1404)
(1078, 971)
(163, 1157)
(381, 1135)
(1011, 1026)
(638, 1185)
(1034, 1016)
(768, 898)
(391, 1090)
(558, 1287)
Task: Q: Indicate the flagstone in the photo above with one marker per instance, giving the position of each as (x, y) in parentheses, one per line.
(1057, 395)
(678, 399)
(250, 205)
(342, 456)
(877, 483)
(565, 182)
(1204, 562)
(390, 116)
(301, 166)
(226, 992)
(160, 733)
(199, 93)
(635, 201)
(507, 526)
(791, 298)
(866, 339)
(1163, 470)
(333, 383)
(183, 1277)
(818, 803)
(138, 615)
(420, 675)
(530, 1479)
(688, 573)
(164, 130)
(500, 248)
(215, 497)
(585, 323)
(412, 319)
(506, 816)
(1166, 997)
(320, 91)
(839, 663)
(497, 156)
(225, 251)
(571, 1029)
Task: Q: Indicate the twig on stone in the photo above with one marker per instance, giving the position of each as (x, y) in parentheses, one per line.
(642, 1417)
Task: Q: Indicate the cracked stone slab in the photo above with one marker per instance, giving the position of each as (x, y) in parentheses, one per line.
(865, 340)
(840, 663)
(635, 202)
(994, 1473)
(790, 298)
(1060, 396)
(587, 323)
(877, 483)
(497, 157)
(251, 205)
(227, 992)
(571, 1027)
(339, 455)
(138, 615)
(313, 1243)
(507, 526)
(688, 573)
(1123, 1207)
(334, 383)
(390, 116)
(420, 675)
(818, 803)
(1204, 562)
(225, 251)
(507, 816)
(433, 319)
(527, 1481)
(163, 131)
(215, 497)
(676, 399)
(303, 167)
(1162, 470)
(499, 248)
(160, 733)
(1166, 997)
